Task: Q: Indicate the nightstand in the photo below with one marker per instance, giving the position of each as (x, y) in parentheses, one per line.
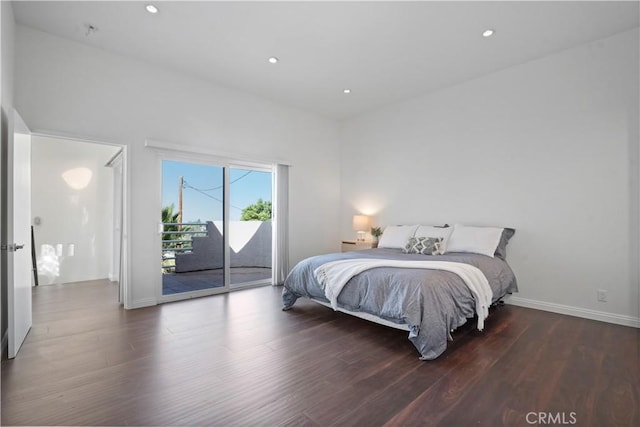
(351, 245)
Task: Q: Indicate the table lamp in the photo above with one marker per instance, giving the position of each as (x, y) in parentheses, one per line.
(360, 225)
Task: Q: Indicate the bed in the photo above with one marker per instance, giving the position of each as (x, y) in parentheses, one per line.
(429, 303)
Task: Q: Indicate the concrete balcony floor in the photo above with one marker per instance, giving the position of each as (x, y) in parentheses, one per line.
(174, 283)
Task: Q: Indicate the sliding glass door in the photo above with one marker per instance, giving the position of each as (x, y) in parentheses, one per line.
(192, 227)
(216, 228)
(250, 226)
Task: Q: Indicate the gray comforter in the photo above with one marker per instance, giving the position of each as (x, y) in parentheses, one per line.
(432, 303)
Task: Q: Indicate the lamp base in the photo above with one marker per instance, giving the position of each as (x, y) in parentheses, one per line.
(360, 237)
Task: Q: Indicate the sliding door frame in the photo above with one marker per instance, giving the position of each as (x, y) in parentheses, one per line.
(183, 155)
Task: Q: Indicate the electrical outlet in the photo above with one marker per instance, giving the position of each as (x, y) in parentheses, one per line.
(602, 295)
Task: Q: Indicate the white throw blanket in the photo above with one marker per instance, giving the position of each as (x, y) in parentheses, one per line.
(334, 275)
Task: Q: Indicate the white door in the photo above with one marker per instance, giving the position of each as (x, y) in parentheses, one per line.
(19, 235)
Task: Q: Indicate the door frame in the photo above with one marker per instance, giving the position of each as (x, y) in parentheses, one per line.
(115, 163)
(125, 274)
(171, 153)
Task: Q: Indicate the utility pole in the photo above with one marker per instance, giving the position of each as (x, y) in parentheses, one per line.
(181, 186)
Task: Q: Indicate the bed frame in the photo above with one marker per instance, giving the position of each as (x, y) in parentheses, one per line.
(366, 316)
(375, 319)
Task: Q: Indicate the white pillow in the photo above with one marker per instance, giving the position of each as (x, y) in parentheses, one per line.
(431, 231)
(479, 240)
(396, 236)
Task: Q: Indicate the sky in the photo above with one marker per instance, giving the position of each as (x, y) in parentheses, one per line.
(202, 193)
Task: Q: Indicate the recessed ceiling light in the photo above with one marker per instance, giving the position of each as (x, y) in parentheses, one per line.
(273, 60)
(346, 91)
(487, 33)
(151, 8)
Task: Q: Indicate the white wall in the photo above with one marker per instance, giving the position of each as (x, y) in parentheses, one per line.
(73, 239)
(548, 147)
(69, 88)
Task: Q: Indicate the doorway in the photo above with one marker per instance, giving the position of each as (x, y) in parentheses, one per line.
(74, 208)
(216, 227)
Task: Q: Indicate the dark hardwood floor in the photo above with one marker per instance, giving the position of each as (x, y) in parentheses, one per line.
(238, 360)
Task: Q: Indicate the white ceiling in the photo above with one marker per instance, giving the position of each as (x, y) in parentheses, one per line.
(383, 51)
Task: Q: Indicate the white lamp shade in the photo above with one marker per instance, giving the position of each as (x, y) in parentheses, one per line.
(360, 223)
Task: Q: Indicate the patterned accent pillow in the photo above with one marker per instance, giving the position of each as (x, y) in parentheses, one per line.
(423, 245)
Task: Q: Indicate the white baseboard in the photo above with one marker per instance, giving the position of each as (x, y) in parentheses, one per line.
(145, 302)
(602, 316)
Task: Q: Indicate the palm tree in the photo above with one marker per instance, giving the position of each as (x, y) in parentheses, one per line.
(169, 218)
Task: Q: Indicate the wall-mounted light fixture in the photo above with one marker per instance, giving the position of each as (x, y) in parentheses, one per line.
(77, 178)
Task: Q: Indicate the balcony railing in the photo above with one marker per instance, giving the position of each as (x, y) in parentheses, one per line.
(185, 232)
(190, 247)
